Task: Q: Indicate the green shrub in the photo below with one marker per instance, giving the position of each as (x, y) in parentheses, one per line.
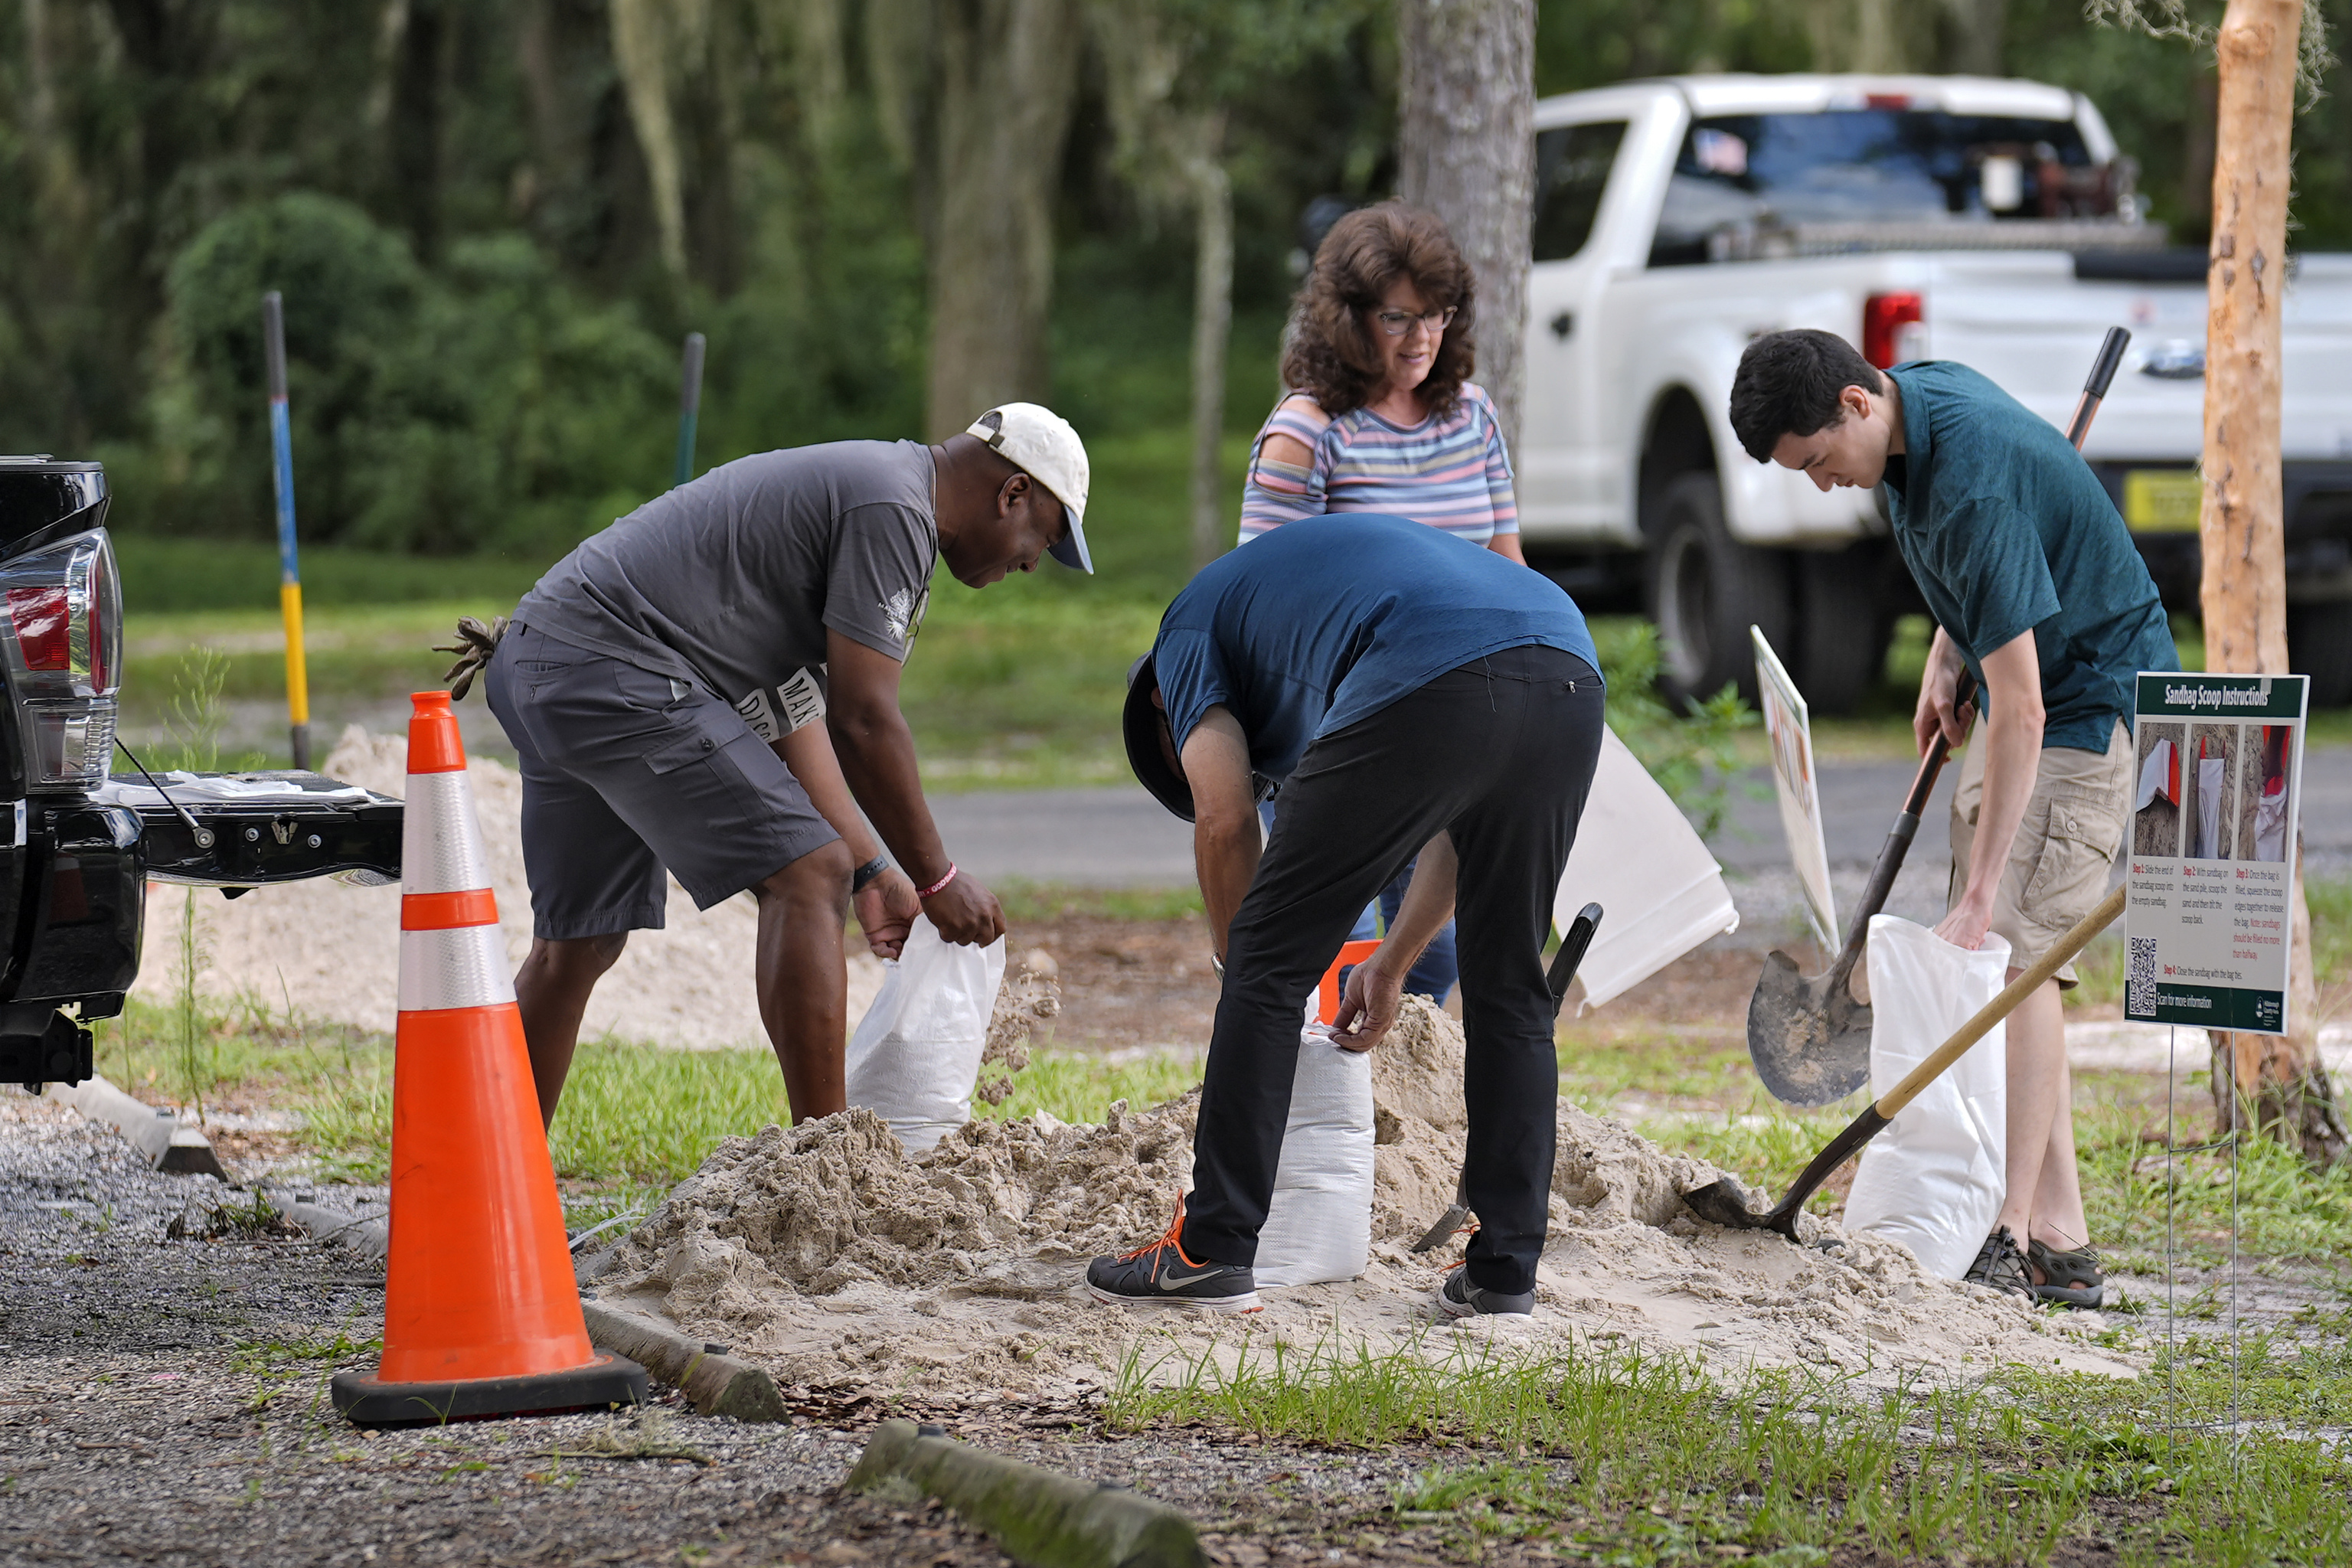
(485, 405)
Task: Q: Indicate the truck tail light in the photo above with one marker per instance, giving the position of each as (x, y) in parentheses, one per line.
(44, 627)
(1893, 329)
(61, 645)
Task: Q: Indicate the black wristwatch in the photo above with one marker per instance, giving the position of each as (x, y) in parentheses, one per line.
(866, 873)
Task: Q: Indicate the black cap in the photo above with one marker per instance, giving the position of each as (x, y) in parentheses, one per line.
(1142, 724)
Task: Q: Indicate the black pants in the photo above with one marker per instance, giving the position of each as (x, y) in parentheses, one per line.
(1498, 754)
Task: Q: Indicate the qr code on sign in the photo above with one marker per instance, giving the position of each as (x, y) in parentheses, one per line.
(2139, 979)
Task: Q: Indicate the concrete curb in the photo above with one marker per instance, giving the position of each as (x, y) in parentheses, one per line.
(154, 1132)
(714, 1382)
(368, 1235)
(1040, 1517)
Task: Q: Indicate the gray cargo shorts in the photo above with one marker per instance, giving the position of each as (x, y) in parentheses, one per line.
(627, 774)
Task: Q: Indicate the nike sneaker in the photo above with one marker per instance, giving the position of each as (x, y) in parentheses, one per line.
(1161, 1274)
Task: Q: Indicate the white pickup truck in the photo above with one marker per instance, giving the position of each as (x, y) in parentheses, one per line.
(1988, 221)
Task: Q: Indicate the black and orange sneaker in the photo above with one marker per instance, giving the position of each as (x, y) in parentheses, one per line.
(1160, 1275)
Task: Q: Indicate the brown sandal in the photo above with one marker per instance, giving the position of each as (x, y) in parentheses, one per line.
(2069, 1278)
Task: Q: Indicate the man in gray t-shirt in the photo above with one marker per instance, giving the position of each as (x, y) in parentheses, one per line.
(662, 686)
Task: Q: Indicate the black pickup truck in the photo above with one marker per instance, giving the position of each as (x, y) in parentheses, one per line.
(85, 841)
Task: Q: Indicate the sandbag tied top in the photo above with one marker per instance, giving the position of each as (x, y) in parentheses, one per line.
(452, 953)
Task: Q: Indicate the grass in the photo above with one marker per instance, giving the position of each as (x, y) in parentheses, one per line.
(634, 1119)
(1617, 1456)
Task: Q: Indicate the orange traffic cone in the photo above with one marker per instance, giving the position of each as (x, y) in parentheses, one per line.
(481, 1314)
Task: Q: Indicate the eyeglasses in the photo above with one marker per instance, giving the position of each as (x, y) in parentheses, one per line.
(1397, 324)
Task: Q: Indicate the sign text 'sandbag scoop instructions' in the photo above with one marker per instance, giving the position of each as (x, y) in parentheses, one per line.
(2208, 926)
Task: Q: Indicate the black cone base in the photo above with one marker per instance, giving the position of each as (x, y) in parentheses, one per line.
(607, 1381)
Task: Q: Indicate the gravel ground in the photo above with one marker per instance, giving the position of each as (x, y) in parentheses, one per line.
(165, 1400)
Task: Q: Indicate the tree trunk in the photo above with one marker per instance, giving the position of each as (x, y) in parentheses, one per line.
(2243, 525)
(1465, 146)
(413, 130)
(1972, 37)
(1213, 320)
(642, 48)
(1006, 75)
(1863, 34)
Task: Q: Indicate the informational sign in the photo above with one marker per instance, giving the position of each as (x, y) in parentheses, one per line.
(2209, 923)
(1789, 728)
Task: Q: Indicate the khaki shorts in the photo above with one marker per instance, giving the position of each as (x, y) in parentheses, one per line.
(2066, 848)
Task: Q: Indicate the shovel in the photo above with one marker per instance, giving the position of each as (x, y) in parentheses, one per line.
(1809, 1040)
(1556, 979)
(1724, 1202)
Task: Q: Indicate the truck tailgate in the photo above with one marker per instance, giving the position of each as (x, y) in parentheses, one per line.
(247, 830)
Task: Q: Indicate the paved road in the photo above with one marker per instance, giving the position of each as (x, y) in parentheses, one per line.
(1122, 838)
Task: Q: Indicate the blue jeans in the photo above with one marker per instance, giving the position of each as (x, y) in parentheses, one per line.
(1433, 974)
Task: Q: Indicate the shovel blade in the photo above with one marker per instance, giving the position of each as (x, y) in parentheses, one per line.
(1726, 1202)
(1810, 1040)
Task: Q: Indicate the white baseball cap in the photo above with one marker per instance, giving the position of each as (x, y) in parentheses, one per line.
(1041, 444)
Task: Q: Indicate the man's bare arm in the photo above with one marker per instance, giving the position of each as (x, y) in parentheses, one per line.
(2013, 743)
(1226, 840)
(886, 908)
(877, 758)
(1938, 684)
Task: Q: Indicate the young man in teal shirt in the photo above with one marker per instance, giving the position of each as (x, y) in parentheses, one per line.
(2036, 588)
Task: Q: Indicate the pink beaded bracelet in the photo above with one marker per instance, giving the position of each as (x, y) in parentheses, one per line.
(942, 883)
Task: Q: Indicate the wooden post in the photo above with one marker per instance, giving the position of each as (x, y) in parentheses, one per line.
(2242, 525)
(1466, 151)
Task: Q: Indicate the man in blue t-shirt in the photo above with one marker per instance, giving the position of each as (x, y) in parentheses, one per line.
(2037, 591)
(1410, 693)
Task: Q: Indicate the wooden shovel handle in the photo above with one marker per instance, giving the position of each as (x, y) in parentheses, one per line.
(2000, 1006)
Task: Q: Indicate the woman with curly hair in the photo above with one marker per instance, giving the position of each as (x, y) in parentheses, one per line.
(1381, 415)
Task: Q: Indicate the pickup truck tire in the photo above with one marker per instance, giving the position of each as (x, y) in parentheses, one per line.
(1843, 623)
(2319, 645)
(1705, 589)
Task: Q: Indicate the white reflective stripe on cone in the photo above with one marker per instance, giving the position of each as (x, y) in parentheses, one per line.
(440, 838)
(462, 967)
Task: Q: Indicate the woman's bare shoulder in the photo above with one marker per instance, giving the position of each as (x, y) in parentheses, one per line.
(1300, 409)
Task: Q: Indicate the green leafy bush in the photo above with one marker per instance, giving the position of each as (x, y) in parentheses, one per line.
(1692, 753)
(482, 406)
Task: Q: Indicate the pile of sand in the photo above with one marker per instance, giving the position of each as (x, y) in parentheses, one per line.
(829, 1254)
(332, 951)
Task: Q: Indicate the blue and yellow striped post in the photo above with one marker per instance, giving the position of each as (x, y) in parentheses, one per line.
(289, 570)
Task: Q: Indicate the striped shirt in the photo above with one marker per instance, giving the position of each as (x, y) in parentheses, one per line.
(1450, 473)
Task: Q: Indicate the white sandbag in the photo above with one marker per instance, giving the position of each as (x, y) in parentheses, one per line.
(1319, 1224)
(1639, 858)
(916, 1051)
(1934, 1178)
